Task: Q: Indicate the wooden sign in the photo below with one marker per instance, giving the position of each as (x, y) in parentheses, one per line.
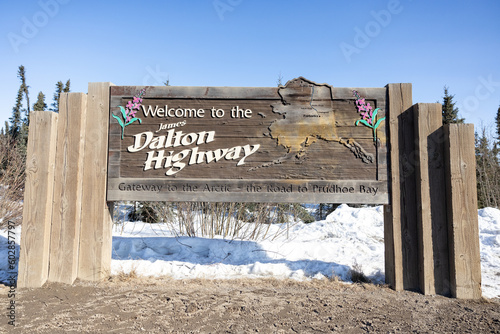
(302, 142)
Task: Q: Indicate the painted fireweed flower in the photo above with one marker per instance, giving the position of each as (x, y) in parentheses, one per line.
(368, 115)
(128, 113)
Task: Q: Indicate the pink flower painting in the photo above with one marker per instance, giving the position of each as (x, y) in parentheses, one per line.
(128, 113)
(368, 115)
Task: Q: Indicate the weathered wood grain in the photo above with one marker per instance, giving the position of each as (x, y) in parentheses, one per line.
(67, 204)
(37, 211)
(280, 191)
(463, 231)
(431, 200)
(400, 235)
(260, 93)
(95, 233)
(328, 150)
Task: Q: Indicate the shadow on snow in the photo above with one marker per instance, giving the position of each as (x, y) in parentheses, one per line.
(204, 251)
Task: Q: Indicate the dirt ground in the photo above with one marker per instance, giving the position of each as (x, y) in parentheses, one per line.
(162, 305)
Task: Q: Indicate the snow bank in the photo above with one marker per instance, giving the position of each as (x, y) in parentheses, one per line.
(326, 248)
(489, 241)
(321, 249)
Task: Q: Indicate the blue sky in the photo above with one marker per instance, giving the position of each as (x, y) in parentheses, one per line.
(250, 42)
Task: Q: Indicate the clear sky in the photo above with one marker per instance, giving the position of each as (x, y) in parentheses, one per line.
(250, 42)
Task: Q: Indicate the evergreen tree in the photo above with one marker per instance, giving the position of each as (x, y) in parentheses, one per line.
(450, 112)
(67, 87)
(18, 129)
(496, 143)
(60, 88)
(57, 95)
(40, 102)
(497, 121)
(21, 74)
(324, 209)
(16, 118)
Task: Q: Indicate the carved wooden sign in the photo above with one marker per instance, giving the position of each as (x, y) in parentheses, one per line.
(302, 142)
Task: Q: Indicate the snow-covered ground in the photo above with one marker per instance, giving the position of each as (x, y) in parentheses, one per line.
(346, 238)
(489, 241)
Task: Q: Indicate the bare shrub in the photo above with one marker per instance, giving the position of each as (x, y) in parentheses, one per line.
(487, 170)
(250, 221)
(122, 276)
(356, 274)
(12, 177)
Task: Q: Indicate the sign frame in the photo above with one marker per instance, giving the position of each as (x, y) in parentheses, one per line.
(365, 185)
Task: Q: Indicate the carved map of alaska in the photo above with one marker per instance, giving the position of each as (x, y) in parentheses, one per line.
(307, 108)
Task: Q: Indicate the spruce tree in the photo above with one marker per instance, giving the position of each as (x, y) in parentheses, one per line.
(16, 118)
(57, 95)
(60, 88)
(40, 102)
(21, 74)
(496, 143)
(450, 112)
(67, 87)
(497, 121)
(18, 128)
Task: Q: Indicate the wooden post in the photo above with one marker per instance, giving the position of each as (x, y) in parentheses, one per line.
(37, 211)
(431, 200)
(463, 231)
(67, 205)
(400, 232)
(96, 226)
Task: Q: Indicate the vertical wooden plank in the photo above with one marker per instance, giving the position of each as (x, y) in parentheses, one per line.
(463, 231)
(67, 205)
(95, 232)
(400, 239)
(408, 200)
(37, 211)
(431, 200)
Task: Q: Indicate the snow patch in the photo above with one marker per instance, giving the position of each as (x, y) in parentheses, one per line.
(326, 248)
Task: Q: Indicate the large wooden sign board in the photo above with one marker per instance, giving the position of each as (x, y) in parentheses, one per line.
(302, 142)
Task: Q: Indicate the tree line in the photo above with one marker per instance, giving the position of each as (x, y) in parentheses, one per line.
(14, 137)
(13, 145)
(487, 154)
(17, 126)
(488, 165)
